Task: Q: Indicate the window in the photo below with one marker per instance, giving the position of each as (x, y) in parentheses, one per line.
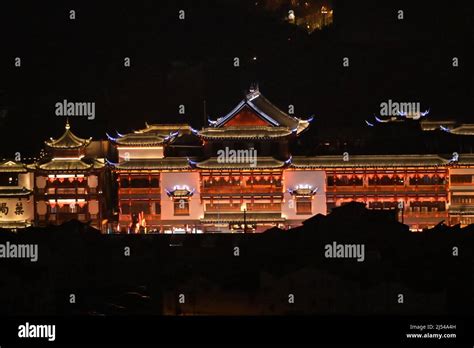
(67, 209)
(124, 183)
(330, 181)
(303, 206)
(461, 179)
(181, 206)
(424, 207)
(344, 180)
(463, 199)
(124, 208)
(139, 182)
(386, 180)
(427, 180)
(330, 206)
(157, 208)
(136, 207)
(384, 205)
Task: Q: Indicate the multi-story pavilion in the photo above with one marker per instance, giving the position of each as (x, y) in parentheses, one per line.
(68, 183)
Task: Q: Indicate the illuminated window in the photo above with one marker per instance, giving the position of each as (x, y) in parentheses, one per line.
(139, 207)
(181, 206)
(303, 206)
(157, 208)
(461, 179)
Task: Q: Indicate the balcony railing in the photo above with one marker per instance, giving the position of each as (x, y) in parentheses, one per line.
(385, 188)
(243, 190)
(63, 191)
(264, 207)
(256, 207)
(62, 217)
(430, 214)
(152, 217)
(132, 190)
(222, 207)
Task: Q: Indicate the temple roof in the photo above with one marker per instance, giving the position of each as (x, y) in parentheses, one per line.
(68, 140)
(430, 125)
(12, 167)
(245, 132)
(466, 159)
(170, 163)
(261, 163)
(256, 103)
(463, 129)
(369, 161)
(14, 224)
(15, 192)
(67, 165)
(140, 139)
(165, 129)
(153, 135)
(448, 126)
(180, 192)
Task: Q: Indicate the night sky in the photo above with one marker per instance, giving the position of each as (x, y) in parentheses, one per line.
(187, 61)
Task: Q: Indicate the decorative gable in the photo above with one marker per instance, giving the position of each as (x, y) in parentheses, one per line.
(246, 117)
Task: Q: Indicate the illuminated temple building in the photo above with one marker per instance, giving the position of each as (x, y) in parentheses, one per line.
(235, 175)
(16, 195)
(68, 182)
(176, 178)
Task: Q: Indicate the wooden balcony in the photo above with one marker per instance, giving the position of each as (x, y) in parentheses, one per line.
(241, 189)
(387, 188)
(140, 191)
(264, 207)
(63, 217)
(148, 217)
(256, 207)
(426, 214)
(221, 208)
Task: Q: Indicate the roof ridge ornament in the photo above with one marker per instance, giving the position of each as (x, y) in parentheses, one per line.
(68, 140)
(110, 137)
(191, 163)
(253, 91)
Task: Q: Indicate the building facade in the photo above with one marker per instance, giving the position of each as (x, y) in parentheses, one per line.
(68, 183)
(235, 175)
(238, 175)
(16, 195)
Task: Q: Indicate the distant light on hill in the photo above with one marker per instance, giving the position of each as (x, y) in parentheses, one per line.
(310, 15)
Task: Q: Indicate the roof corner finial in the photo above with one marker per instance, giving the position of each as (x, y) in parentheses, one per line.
(68, 126)
(253, 91)
(253, 87)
